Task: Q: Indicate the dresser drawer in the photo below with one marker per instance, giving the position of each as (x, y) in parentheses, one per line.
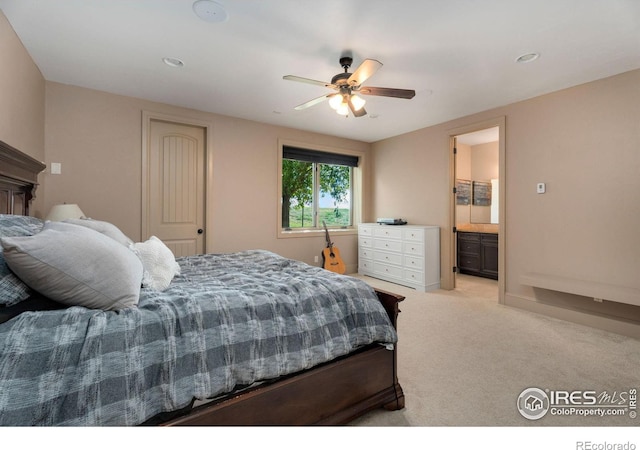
(413, 248)
(364, 241)
(416, 235)
(364, 230)
(388, 232)
(388, 258)
(414, 276)
(365, 265)
(385, 244)
(414, 262)
(387, 270)
(365, 253)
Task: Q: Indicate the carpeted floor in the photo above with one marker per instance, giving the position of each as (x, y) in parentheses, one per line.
(463, 360)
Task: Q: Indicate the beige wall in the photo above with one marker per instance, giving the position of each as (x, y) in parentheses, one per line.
(22, 100)
(584, 143)
(484, 161)
(97, 137)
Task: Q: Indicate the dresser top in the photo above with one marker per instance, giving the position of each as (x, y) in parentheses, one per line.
(375, 224)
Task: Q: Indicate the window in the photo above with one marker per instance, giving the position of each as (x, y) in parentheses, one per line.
(316, 186)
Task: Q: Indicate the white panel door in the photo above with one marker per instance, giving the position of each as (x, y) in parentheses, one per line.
(176, 190)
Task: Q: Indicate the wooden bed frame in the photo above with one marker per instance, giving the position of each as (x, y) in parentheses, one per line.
(332, 393)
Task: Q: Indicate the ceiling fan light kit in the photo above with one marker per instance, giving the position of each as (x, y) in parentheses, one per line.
(348, 84)
(358, 102)
(340, 103)
(335, 100)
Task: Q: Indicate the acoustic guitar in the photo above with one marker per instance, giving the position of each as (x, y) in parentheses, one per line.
(331, 255)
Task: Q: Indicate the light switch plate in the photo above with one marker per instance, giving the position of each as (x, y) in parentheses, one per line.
(541, 188)
(56, 168)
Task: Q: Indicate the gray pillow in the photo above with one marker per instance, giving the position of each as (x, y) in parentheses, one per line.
(106, 228)
(76, 265)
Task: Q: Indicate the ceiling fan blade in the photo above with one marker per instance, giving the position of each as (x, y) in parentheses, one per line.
(356, 113)
(364, 71)
(315, 101)
(387, 92)
(308, 81)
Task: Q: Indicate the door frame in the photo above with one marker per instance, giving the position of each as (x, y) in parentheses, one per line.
(147, 118)
(499, 122)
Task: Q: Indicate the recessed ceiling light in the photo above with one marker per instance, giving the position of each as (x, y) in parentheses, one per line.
(209, 11)
(173, 62)
(527, 57)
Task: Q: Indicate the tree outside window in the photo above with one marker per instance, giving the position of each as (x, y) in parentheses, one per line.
(313, 192)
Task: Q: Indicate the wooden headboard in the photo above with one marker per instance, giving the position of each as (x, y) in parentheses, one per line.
(18, 180)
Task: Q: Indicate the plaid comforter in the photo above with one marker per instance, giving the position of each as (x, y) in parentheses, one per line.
(228, 320)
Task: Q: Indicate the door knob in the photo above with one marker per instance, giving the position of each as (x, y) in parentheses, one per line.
(200, 231)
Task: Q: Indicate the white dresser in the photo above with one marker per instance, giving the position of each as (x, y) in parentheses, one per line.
(404, 254)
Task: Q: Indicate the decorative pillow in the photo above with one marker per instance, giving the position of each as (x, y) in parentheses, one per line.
(76, 265)
(159, 263)
(106, 228)
(12, 289)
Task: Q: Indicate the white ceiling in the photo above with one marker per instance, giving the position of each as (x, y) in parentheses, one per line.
(479, 137)
(458, 55)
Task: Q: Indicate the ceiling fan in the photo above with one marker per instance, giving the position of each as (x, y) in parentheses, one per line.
(348, 85)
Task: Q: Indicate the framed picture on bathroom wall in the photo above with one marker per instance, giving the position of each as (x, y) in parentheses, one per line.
(481, 193)
(463, 192)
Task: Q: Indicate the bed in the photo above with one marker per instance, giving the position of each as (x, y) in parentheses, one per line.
(249, 338)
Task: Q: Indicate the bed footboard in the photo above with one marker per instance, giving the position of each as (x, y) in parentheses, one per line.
(331, 394)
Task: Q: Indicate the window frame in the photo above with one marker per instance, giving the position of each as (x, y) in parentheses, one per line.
(356, 192)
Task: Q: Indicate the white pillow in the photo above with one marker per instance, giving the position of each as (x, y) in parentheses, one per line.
(106, 228)
(75, 265)
(159, 263)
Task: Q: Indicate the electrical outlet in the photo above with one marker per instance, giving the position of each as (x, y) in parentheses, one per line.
(316, 258)
(541, 188)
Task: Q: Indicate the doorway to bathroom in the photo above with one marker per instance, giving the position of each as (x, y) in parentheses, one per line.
(477, 207)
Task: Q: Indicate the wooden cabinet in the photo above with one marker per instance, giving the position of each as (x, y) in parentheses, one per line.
(404, 254)
(478, 254)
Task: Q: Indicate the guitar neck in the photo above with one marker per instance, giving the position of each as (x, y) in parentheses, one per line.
(326, 233)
